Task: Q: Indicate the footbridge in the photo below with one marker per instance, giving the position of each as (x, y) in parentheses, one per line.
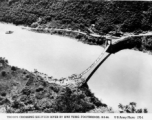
(85, 75)
(112, 45)
(94, 66)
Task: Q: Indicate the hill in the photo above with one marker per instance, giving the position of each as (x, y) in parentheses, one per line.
(102, 16)
(22, 91)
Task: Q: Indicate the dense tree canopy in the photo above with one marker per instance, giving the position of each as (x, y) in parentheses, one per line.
(78, 14)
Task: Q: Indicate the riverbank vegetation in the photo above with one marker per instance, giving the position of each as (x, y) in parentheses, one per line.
(88, 16)
(22, 91)
(140, 43)
(101, 16)
(87, 39)
(131, 108)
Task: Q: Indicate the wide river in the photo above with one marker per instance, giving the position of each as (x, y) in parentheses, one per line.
(124, 77)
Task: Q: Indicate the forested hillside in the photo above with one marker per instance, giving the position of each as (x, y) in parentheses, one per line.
(22, 91)
(80, 14)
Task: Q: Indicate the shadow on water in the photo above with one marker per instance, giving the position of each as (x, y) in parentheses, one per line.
(128, 43)
(90, 75)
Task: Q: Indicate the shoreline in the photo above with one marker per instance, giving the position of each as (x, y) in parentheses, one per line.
(23, 80)
(89, 39)
(78, 81)
(122, 81)
(101, 40)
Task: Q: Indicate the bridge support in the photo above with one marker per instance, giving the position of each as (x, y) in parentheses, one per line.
(108, 42)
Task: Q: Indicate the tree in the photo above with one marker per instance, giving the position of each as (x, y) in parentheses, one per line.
(131, 108)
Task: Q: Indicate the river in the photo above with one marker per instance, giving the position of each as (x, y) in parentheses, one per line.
(124, 77)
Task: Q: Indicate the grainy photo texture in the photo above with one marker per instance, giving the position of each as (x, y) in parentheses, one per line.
(75, 56)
